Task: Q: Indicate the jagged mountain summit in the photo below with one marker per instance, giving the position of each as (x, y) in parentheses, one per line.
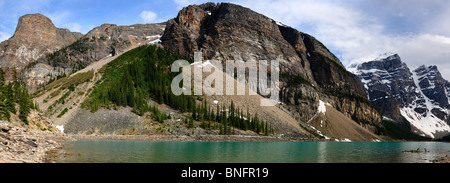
(34, 37)
(308, 70)
(420, 96)
(309, 73)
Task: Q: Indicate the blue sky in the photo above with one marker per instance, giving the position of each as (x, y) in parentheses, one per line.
(83, 15)
(354, 30)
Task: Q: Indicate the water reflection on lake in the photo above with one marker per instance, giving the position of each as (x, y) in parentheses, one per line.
(251, 152)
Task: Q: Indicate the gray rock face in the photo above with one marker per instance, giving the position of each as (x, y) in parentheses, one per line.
(35, 36)
(433, 85)
(420, 96)
(100, 42)
(103, 121)
(384, 81)
(231, 32)
(308, 69)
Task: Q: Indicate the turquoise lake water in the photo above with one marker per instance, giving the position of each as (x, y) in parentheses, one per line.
(108, 151)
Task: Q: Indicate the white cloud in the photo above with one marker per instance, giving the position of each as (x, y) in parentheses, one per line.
(427, 49)
(355, 34)
(338, 26)
(148, 16)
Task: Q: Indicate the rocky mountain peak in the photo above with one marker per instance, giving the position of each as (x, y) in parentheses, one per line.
(389, 63)
(419, 96)
(226, 31)
(387, 56)
(35, 36)
(430, 70)
(103, 41)
(34, 25)
(433, 85)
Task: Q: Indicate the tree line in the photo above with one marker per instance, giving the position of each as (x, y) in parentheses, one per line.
(228, 118)
(12, 93)
(144, 73)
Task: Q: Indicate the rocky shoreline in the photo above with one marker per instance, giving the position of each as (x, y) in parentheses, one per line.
(445, 159)
(21, 145)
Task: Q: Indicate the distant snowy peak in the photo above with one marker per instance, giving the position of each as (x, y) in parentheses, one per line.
(378, 62)
(382, 75)
(434, 87)
(387, 56)
(421, 96)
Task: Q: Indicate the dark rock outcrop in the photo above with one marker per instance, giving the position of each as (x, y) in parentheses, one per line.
(35, 36)
(419, 96)
(384, 81)
(308, 69)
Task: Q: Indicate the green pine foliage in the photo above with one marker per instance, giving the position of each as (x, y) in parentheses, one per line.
(232, 118)
(157, 115)
(62, 112)
(4, 109)
(12, 93)
(10, 100)
(25, 104)
(144, 73)
(136, 76)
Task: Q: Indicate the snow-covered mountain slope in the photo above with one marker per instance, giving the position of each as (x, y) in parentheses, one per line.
(420, 96)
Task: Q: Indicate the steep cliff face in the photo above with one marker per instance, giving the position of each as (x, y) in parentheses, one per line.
(433, 86)
(384, 81)
(308, 70)
(103, 41)
(35, 36)
(231, 32)
(419, 96)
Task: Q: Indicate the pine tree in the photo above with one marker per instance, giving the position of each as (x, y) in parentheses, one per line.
(4, 112)
(266, 130)
(2, 77)
(194, 114)
(218, 118)
(4, 108)
(202, 123)
(10, 102)
(191, 123)
(16, 85)
(25, 105)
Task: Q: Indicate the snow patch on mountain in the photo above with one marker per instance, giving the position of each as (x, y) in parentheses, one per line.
(424, 107)
(322, 108)
(428, 123)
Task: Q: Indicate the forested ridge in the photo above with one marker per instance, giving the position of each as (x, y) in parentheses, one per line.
(144, 73)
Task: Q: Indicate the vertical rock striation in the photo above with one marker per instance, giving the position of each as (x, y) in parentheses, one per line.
(35, 36)
(308, 70)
